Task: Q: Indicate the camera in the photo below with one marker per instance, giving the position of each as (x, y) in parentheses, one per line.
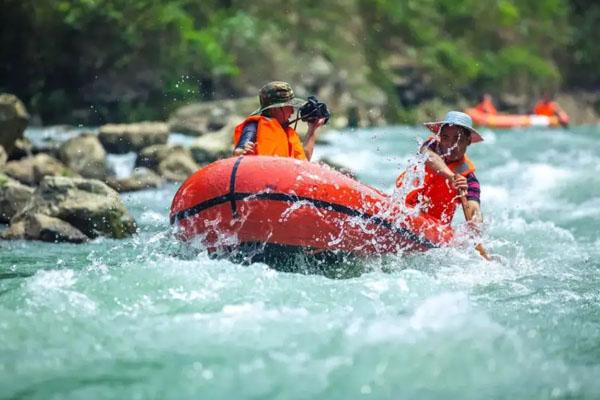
(314, 110)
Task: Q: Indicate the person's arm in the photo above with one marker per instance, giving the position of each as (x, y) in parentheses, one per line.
(311, 137)
(437, 164)
(563, 117)
(472, 212)
(473, 195)
(246, 144)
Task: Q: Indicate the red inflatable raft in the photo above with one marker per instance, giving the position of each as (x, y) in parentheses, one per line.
(261, 206)
(511, 120)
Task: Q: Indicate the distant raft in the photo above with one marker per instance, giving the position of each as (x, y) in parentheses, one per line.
(507, 121)
(266, 207)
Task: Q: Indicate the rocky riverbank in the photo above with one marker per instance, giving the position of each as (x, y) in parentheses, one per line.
(65, 190)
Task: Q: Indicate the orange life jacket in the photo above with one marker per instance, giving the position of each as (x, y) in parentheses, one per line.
(272, 139)
(486, 106)
(437, 198)
(550, 109)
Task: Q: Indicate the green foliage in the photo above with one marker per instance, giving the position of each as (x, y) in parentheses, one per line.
(133, 59)
(115, 55)
(454, 40)
(516, 67)
(581, 58)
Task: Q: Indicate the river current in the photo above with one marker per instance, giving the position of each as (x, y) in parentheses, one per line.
(133, 319)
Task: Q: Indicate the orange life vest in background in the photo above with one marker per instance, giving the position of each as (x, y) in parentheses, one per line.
(548, 108)
(486, 106)
(272, 139)
(437, 198)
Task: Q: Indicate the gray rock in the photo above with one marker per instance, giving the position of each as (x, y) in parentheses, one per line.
(87, 204)
(319, 72)
(49, 229)
(152, 156)
(13, 197)
(3, 157)
(201, 118)
(22, 148)
(174, 163)
(85, 155)
(13, 121)
(581, 106)
(214, 146)
(123, 138)
(31, 170)
(191, 126)
(142, 178)
(217, 119)
(15, 231)
(177, 168)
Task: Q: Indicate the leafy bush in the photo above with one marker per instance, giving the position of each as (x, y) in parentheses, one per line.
(130, 59)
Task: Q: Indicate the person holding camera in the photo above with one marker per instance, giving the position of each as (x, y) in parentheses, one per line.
(267, 131)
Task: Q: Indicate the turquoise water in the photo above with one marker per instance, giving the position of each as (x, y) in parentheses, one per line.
(133, 319)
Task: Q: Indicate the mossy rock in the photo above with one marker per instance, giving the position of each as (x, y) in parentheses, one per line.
(88, 204)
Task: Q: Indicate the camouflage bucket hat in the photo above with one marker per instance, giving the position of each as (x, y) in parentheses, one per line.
(277, 94)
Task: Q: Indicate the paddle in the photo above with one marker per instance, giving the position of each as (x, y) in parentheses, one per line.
(479, 247)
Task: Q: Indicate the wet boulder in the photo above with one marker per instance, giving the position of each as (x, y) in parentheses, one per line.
(582, 107)
(177, 168)
(3, 157)
(151, 156)
(15, 231)
(191, 126)
(201, 118)
(87, 204)
(13, 121)
(123, 138)
(174, 163)
(85, 155)
(22, 148)
(50, 229)
(31, 170)
(141, 178)
(217, 145)
(319, 73)
(44, 228)
(13, 197)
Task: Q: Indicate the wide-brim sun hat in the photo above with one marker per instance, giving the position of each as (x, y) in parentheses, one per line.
(277, 94)
(459, 119)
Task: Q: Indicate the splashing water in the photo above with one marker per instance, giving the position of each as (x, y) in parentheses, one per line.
(134, 319)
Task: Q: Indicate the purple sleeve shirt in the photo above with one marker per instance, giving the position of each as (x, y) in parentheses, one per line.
(473, 189)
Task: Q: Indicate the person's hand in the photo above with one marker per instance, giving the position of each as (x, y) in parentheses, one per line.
(314, 125)
(460, 183)
(249, 148)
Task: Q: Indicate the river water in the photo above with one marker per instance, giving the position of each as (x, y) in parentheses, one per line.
(133, 319)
